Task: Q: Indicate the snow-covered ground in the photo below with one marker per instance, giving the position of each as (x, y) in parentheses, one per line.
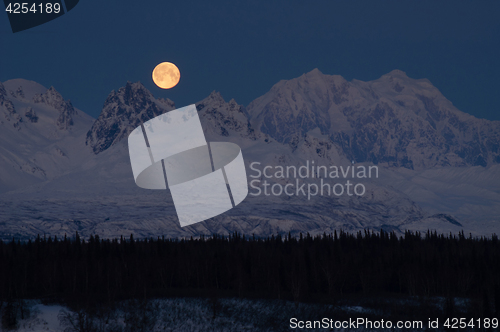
(196, 314)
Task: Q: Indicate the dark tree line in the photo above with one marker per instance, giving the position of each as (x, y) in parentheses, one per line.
(323, 268)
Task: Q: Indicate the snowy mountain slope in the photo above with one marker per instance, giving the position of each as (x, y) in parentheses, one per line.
(40, 134)
(393, 121)
(470, 194)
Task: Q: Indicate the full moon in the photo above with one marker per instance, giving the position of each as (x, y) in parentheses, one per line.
(166, 75)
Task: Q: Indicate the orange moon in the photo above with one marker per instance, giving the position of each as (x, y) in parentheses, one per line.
(166, 75)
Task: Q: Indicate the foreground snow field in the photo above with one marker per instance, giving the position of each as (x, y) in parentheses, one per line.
(195, 314)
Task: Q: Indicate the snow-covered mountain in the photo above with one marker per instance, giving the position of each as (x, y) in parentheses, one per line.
(40, 134)
(122, 112)
(393, 121)
(425, 149)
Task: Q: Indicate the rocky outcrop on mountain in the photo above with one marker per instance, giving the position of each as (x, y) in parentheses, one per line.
(19, 93)
(393, 121)
(31, 115)
(2, 92)
(9, 111)
(66, 110)
(123, 111)
(221, 118)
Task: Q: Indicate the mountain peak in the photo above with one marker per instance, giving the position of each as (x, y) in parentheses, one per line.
(124, 110)
(394, 120)
(314, 72)
(54, 99)
(396, 73)
(220, 118)
(215, 95)
(134, 92)
(214, 99)
(135, 86)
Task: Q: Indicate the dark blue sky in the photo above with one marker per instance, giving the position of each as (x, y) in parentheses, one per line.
(242, 48)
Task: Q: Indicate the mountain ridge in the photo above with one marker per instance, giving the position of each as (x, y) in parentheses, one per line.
(394, 120)
(83, 180)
